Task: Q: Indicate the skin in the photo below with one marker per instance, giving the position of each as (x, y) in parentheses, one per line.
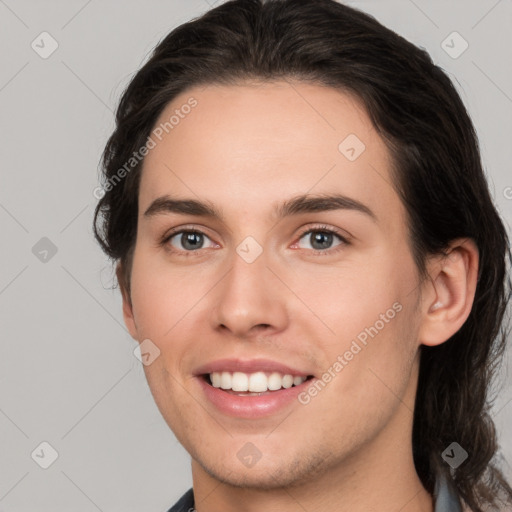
(242, 149)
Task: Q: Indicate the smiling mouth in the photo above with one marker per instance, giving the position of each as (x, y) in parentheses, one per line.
(253, 384)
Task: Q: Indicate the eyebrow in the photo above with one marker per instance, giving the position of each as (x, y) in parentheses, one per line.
(305, 203)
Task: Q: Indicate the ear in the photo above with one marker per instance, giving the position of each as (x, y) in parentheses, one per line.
(447, 297)
(129, 319)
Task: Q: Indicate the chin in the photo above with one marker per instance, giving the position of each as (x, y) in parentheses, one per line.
(250, 478)
(266, 475)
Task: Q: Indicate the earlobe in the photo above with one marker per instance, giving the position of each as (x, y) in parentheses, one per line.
(448, 296)
(128, 316)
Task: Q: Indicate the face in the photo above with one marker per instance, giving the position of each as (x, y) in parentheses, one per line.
(272, 252)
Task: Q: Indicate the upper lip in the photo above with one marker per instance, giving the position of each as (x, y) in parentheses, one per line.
(249, 366)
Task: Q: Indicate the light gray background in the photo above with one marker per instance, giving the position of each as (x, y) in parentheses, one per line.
(68, 375)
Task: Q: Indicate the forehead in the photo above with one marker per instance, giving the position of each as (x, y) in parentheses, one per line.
(254, 144)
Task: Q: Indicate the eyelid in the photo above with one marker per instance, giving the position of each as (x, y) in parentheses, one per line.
(343, 235)
(186, 227)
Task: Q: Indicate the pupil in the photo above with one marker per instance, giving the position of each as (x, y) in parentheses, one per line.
(191, 240)
(324, 240)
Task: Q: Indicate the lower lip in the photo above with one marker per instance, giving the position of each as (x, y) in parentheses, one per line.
(251, 406)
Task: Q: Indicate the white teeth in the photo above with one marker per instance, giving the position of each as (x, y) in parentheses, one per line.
(216, 379)
(287, 381)
(225, 380)
(297, 381)
(258, 382)
(274, 381)
(240, 382)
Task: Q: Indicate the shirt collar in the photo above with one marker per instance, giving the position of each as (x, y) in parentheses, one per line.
(445, 498)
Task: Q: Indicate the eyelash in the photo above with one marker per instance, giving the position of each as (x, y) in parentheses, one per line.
(321, 229)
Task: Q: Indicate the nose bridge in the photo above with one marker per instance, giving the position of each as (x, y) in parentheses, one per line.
(248, 295)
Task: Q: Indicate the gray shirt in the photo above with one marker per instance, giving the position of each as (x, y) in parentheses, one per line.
(445, 497)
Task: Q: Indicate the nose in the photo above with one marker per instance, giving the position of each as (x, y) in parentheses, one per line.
(250, 300)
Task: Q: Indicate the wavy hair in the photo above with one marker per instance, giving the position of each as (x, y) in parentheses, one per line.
(437, 172)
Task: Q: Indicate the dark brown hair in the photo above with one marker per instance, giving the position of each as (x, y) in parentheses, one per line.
(437, 173)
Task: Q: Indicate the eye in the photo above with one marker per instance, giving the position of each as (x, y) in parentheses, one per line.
(320, 240)
(188, 240)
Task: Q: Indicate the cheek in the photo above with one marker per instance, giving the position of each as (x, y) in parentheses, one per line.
(362, 294)
(171, 308)
(373, 322)
(161, 299)
(367, 376)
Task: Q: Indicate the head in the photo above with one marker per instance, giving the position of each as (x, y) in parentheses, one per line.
(250, 110)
